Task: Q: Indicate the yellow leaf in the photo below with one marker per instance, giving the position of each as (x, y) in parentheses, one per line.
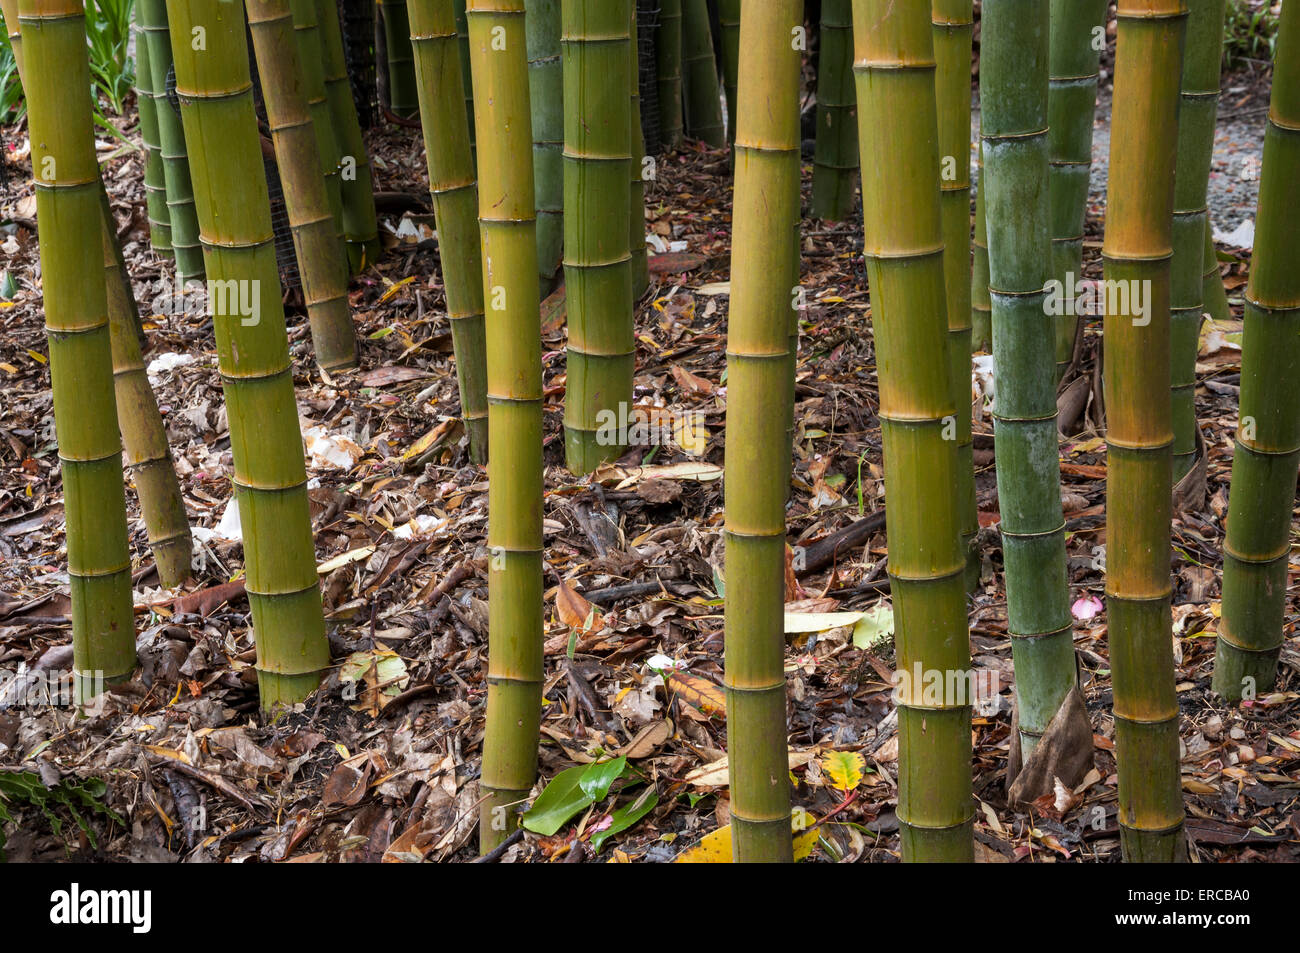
(395, 288)
(715, 847)
(844, 768)
(37, 356)
(10, 368)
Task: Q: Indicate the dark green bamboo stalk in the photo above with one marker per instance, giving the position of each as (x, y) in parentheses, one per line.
(155, 185)
(981, 308)
(507, 220)
(729, 24)
(1077, 39)
(703, 109)
(1214, 297)
(1136, 254)
(400, 59)
(546, 90)
(176, 169)
(835, 161)
(1267, 454)
(359, 227)
(597, 261)
(1013, 99)
(758, 449)
(270, 478)
(1196, 117)
(57, 86)
(455, 203)
(636, 197)
(897, 124)
(322, 259)
(953, 28)
(307, 30)
(668, 62)
(467, 80)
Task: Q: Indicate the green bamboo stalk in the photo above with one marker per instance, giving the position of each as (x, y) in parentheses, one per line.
(455, 203)
(400, 58)
(1013, 98)
(507, 220)
(57, 86)
(462, 31)
(597, 261)
(322, 259)
(952, 27)
(1267, 454)
(703, 109)
(1196, 117)
(729, 24)
(270, 476)
(1214, 297)
(307, 30)
(155, 185)
(766, 191)
(176, 169)
(546, 91)
(1136, 253)
(360, 229)
(1077, 39)
(636, 169)
(897, 124)
(835, 159)
(668, 62)
(981, 307)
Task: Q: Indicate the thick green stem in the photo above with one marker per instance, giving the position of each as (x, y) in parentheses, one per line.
(546, 90)
(1256, 553)
(640, 264)
(835, 159)
(155, 184)
(1214, 297)
(400, 58)
(981, 308)
(700, 76)
(668, 60)
(307, 30)
(439, 84)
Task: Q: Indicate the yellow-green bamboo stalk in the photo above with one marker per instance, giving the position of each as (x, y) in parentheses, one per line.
(758, 448)
(597, 261)
(981, 307)
(307, 30)
(1257, 550)
(1136, 253)
(57, 86)
(835, 159)
(897, 124)
(640, 264)
(155, 185)
(270, 478)
(703, 109)
(360, 229)
(462, 31)
(507, 221)
(322, 260)
(668, 62)
(952, 23)
(546, 91)
(455, 203)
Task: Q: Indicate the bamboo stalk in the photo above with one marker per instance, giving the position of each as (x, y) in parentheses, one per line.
(155, 185)
(1074, 61)
(400, 58)
(176, 169)
(952, 26)
(636, 169)
(467, 80)
(597, 260)
(322, 260)
(359, 227)
(455, 203)
(270, 476)
(729, 25)
(703, 109)
(835, 159)
(57, 86)
(546, 91)
(668, 60)
(1197, 112)
(307, 30)
(1256, 553)
(507, 220)
(981, 307)
(897, 125)
(1136, 253)
(758, 448)
(1214, 297)
(1013, 98)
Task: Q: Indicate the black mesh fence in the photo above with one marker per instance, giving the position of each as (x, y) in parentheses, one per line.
(357, 18)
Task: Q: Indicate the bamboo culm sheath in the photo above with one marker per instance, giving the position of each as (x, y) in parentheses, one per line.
(270, 478)
(835, 158)
(57, 86)
(1013, 98)
(700, 76)
(322, 259)
(1137, 248)
(758, 370)
(897, 125)
(597, 261)
(1262, 494)
(546, 91)
(439, 85)
(507, 221)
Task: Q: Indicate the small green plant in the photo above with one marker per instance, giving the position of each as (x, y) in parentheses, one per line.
(575, 789)
(1249, 32)
(72, 796)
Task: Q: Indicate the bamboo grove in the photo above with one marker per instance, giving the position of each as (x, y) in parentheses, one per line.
(534, 124)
